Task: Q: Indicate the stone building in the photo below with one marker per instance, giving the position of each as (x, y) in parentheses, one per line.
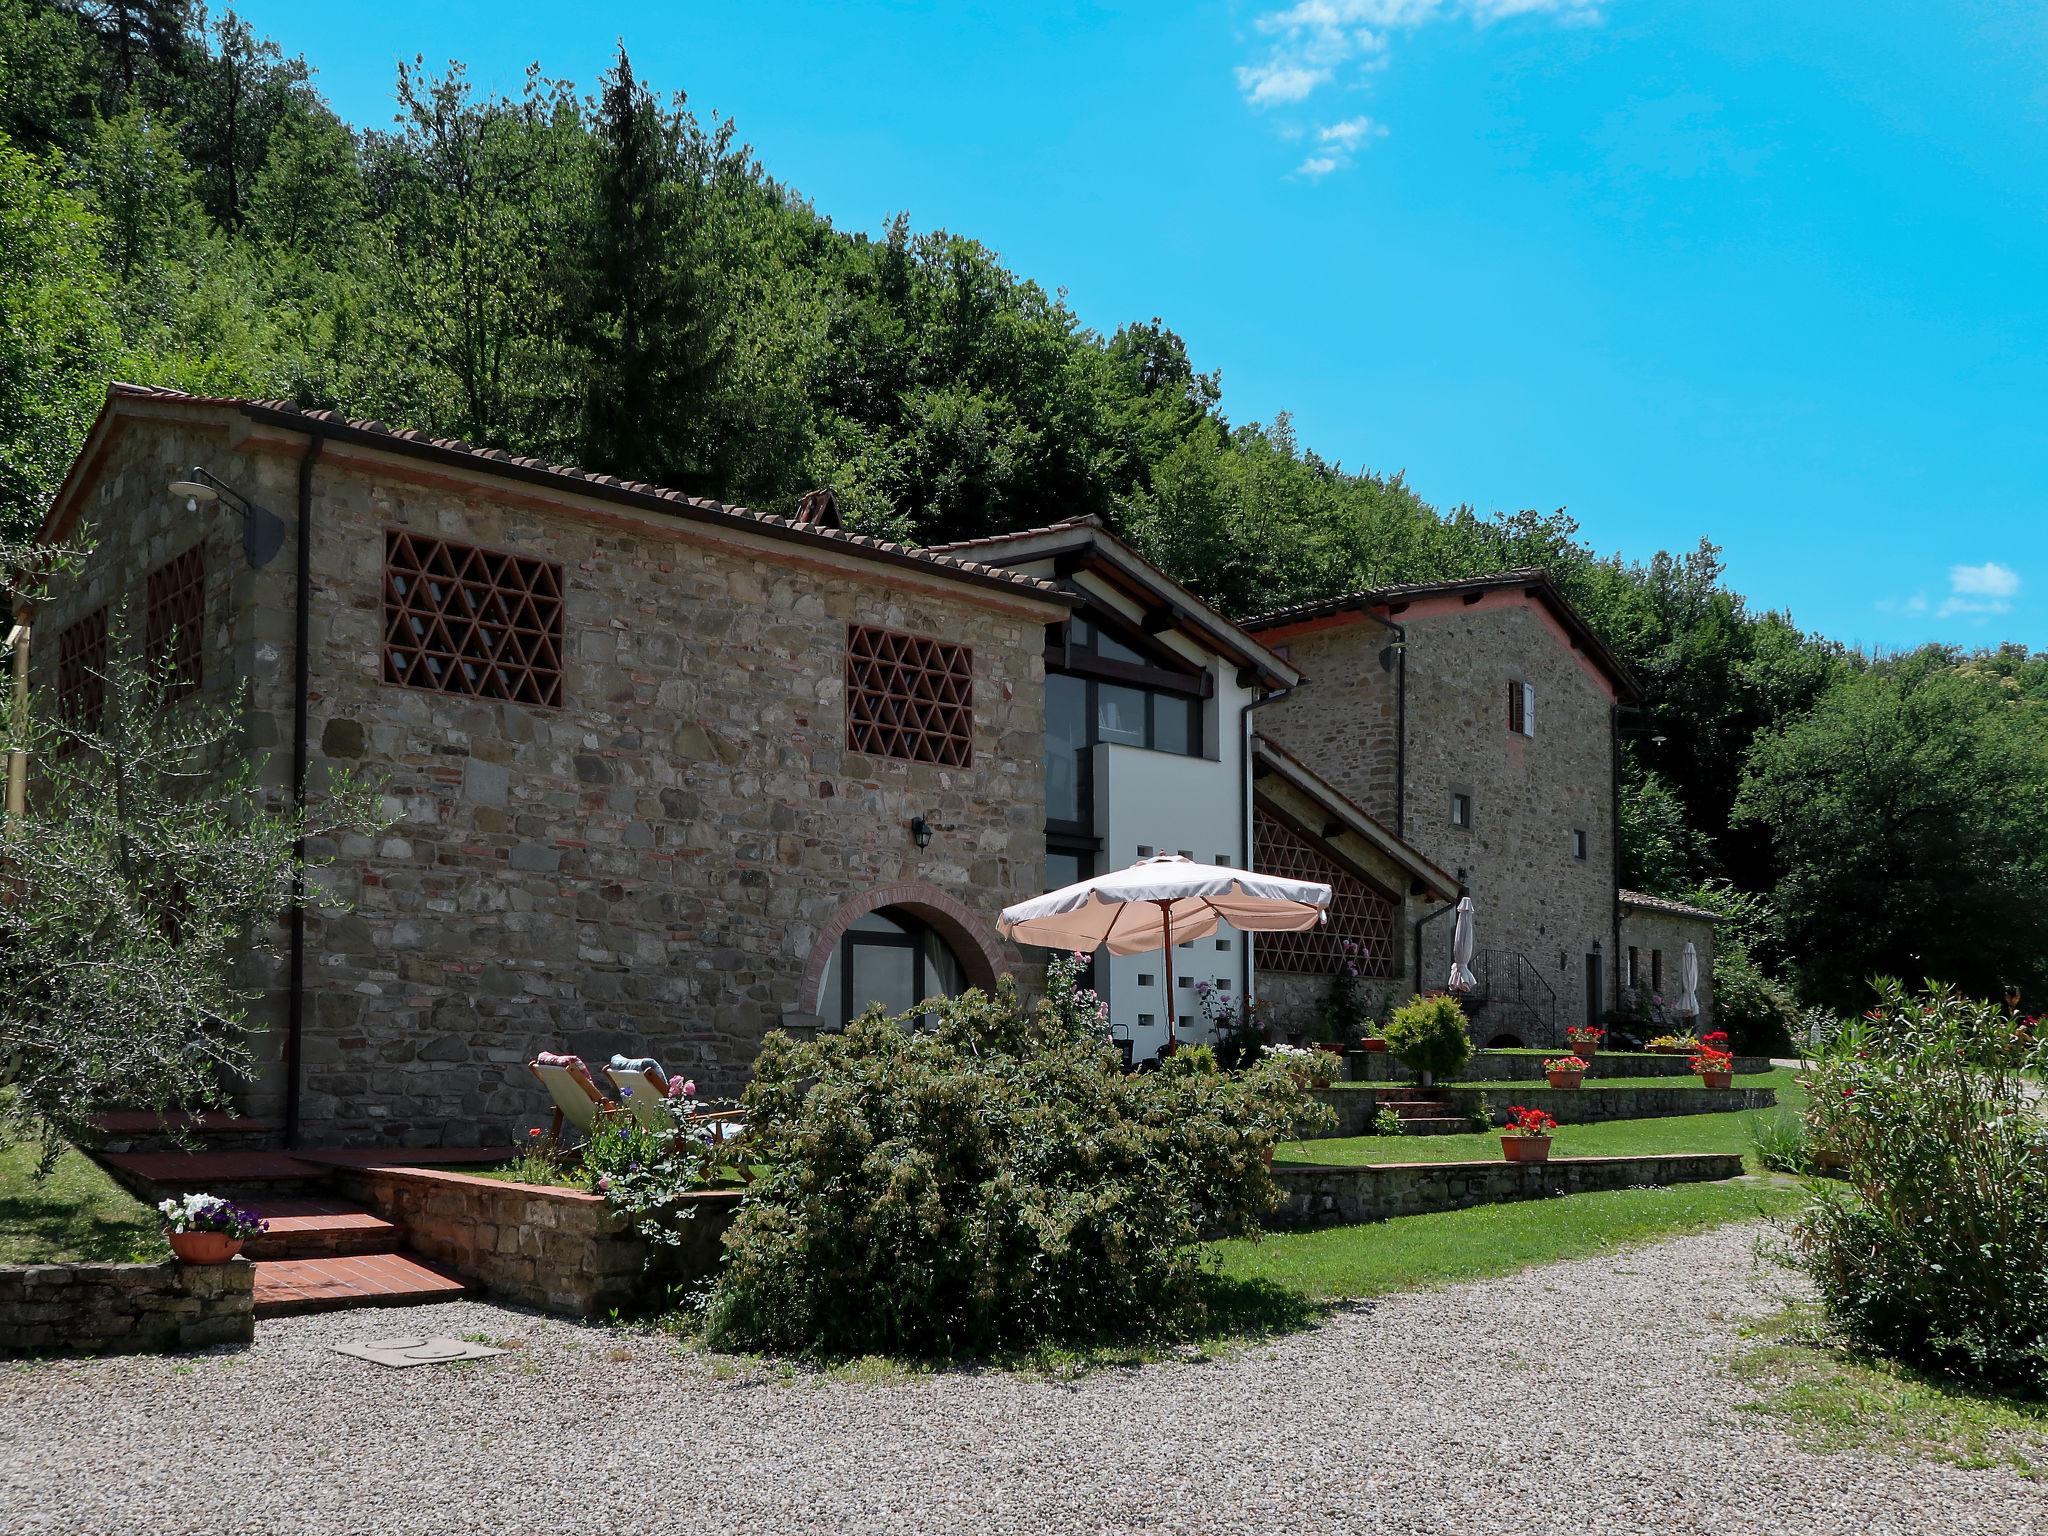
(1654, 933)
(1149, 748)
(662, 774)
(1477, 720)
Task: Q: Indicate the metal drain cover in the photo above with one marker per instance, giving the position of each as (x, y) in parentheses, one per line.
(402, 1352)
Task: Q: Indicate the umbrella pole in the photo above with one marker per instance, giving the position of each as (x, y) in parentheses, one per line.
(1166, 944)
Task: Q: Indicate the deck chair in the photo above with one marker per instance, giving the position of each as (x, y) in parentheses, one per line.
(578, 1099)
(649, 1089)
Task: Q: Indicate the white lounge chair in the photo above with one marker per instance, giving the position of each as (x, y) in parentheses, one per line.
(578, 1099)
(643, 1089)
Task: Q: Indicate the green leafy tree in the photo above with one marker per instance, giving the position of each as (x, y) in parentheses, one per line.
(49, 80)
(58, 339)
(139, 183)
(147, 862)
(1656, 844)
(1910, 812)
(242, 90)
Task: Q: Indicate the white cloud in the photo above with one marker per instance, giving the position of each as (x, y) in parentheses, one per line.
(1987, 580)
(1337, 143)
(1313, 40)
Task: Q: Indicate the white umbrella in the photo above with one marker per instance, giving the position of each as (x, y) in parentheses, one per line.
(1462, 979)
(1689, 983)
(1160, 902)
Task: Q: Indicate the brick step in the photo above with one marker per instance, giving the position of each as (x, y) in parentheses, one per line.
(285, 1287)
(1423, 1107)
(1435, 1125)
(247, 1177)
(321, 1229)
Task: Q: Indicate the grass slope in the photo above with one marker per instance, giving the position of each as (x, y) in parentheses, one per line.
(76, 1215)
(1415, 1252)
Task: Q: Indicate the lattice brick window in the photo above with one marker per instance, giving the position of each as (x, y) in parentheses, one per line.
(81, 672)
(909, 697)
(174, 626)
(1358, 911)
(458, 619)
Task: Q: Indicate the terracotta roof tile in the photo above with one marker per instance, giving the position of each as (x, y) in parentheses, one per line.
(1645, 902)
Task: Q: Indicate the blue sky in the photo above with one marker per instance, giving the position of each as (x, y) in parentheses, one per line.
(1764, 271)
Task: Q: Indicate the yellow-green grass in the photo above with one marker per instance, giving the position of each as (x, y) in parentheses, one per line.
(1835, 1398)
(76, 1215)
(1417, 1252)
(1729, 1132)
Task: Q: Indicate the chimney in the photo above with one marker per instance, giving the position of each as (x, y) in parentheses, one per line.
(818, 509)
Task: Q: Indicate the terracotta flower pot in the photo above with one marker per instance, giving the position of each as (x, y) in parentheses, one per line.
(1373, 1043)
(204, 1247)
(1585, 1052)
(1334, 1047)
(1716, 1079)
(1525, 1149)
(1565, 1079)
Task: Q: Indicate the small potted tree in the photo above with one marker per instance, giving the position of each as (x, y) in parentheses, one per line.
(1716, 1069)
(205, 1229)
(1565, 1071)
(1428, 1036)
(1584, 1039)
(1526, 1136)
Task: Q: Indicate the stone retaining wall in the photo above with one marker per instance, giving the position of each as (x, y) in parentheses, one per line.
(558, 1249)
(1584, 1106)
(125, 1307)
(1330, 1196)
(1501, 1066)
(1355, 1109)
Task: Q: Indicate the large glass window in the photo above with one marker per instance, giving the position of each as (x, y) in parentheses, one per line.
(1066, 748)
(888, 958)
(1120, 715)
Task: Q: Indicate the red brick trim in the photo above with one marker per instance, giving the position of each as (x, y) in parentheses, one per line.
(965, 932)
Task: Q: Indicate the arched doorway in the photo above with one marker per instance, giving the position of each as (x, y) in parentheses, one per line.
(889, 957)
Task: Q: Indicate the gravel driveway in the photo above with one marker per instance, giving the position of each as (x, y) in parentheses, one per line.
(1572, 1398)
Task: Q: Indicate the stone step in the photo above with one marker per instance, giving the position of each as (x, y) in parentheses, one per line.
(285, 1287)
(145, 1130)
(321, 1229)
(1417, 1107)
(246, 1177)
(1435, 1125)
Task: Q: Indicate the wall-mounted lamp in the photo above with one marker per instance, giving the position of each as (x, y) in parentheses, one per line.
(920, 831)
(1390, 652)
(262, 531)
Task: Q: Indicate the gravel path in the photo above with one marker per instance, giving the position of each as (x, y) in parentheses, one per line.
(1572, 1398)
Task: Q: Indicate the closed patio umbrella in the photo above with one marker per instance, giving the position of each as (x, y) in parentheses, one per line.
(1689, 983)
(1160, 902)
(1462, 979)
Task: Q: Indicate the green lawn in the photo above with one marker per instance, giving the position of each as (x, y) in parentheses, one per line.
(1414, 1252)
(1611, 1138)
(77, 1215)
(1777, 1077)
(1836, 1399)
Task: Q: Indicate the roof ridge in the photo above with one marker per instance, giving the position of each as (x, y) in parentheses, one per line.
(411, 438)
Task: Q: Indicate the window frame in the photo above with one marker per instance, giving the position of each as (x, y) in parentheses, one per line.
(175, 591)
(874, 675)
(535, 677)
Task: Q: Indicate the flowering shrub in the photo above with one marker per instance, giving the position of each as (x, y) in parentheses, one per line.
(991, 1180)
(1565, 1064)
(1428, 1036)
(1707, 1060)
(646, 1171)
(1529, 1122)
(1675, 1043)
(210, 1213)
(1387, 1123)
(1238, 1028)
(1583, 1036)
(1318, 1069)
(1933, 1246)
(1342, 1014)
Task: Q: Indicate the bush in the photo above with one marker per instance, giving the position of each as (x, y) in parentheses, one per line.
(1428, 1036)
(1935, 1250)
(990, 1182)
(1387, 1123)
(1759, 1014)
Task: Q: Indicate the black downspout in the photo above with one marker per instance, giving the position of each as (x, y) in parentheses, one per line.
(1244, 819)
(302, 670)
(1401, 738)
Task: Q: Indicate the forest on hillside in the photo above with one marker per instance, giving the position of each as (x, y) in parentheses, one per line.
(610, 279)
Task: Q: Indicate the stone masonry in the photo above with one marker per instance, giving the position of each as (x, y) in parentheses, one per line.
(46, 1308)
(1541, 908)
(646, 868)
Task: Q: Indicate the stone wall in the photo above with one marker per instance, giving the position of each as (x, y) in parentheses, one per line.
(1667, 933)
(650, 867)
(47, 1308)
(1329, 1196)
(558, 1249)
(1534, 899)
(1584, 1106)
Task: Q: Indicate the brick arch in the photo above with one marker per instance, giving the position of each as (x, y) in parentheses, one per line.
(972, 941)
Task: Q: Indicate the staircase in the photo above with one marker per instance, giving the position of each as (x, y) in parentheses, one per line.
(320, 1254)
(1512, 998)
(1422, 1112)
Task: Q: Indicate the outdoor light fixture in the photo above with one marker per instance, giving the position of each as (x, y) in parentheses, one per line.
(262, 530)
(920, 831)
